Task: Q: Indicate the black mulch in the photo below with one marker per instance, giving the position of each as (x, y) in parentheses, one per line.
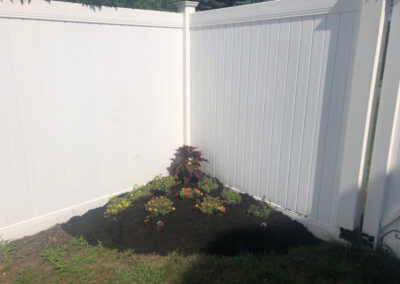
(189, 231)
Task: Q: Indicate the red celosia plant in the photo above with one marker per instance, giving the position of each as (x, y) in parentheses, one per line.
(187, 164)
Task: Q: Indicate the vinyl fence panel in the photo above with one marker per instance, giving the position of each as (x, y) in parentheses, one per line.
(271, 94)
(90, 104)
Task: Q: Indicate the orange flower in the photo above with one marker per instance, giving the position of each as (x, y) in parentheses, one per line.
(148, 203)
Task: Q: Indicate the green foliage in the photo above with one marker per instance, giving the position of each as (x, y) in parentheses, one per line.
(189, 193)
(159, 206)
(120, 204)
(164, 184)
(216, 4)
(125, 254)
(117, 205)
(139, 192)
(231, 197)
(260, 210)
(210, 205)
(163, 5)
(7, 249)
(159, 5)
(208, 184)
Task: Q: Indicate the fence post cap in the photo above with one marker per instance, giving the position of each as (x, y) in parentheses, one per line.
(182, 5)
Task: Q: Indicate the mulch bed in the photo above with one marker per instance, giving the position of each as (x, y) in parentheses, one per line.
(189, 231)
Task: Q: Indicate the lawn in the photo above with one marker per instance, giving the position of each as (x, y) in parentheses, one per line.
(187, 228)
(54, 256)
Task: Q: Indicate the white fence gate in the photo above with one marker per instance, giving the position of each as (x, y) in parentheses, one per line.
(382, 214)
(281, 98)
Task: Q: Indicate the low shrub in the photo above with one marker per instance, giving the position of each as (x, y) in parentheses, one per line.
(117, 205)
(208, 184)
(187, 164)
(164, 184)
(139, 192)
(158, 206)
(260, 210)
(210, 205)
(231, 197)
(189, 193)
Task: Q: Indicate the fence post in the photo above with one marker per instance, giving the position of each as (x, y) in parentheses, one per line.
(384, 160)
(362, 86)
(187, 8)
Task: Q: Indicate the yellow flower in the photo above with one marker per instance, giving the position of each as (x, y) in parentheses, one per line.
(173, 208)
(197, 205)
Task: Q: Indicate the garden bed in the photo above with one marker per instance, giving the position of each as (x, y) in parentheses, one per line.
(188, 231)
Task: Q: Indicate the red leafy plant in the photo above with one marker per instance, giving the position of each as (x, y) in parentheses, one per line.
(187, 164)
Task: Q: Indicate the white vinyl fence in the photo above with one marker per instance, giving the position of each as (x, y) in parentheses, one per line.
(277, 95)
(382, 214)
(272, 86)
(90, 104)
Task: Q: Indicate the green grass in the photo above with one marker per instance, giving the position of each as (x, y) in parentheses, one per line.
(7, 255)
(78, 262)
(7, 249)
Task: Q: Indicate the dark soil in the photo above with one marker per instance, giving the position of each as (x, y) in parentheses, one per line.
(189, 231)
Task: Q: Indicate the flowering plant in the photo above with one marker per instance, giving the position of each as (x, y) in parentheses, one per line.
(260, 210)
(210, 205)
(231, 197)
(188, 193)
(158, 206)
(117, 205)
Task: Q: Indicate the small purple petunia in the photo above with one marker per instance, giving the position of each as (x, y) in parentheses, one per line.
(254, 209)
(258, 202)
